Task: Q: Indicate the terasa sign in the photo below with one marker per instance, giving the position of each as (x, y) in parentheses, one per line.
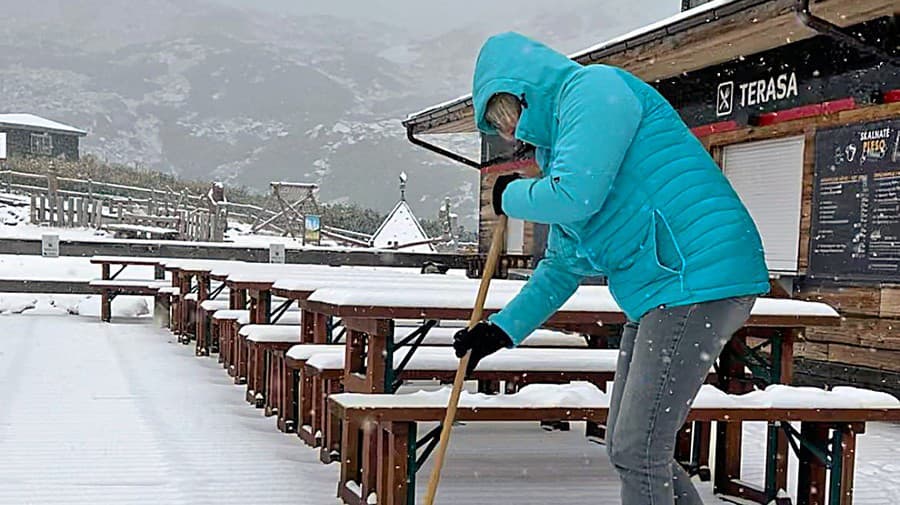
(756, 92)
(805, 72)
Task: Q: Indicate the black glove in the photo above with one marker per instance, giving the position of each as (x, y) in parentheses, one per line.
(499, 187)
(483, 340)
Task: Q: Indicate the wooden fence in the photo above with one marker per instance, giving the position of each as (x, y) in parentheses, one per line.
(126, 211)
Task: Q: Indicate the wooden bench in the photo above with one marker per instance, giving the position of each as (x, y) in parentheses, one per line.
(239, 352)
(261, 340)
(162, 307)
(205, 341)
(225, 325)
(514, 367)
(285, 371)
(383, 470)
(290, 394)
(109, 289)
(137, 231)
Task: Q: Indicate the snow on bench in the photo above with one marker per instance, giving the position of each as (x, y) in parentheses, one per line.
(585, 299)
(387, 281)
(505, 360)
(584, 395)
(302, 352)
(215, 305)
(290, 318)
(129, 284)
(170, 290)
(231, 314)
(271, 273)
(271, 333)
(125, 260)
(199, 265)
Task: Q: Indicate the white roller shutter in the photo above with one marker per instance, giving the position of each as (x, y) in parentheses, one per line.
(768, 176)
(515, 236)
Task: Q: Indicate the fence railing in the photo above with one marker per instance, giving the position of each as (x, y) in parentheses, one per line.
(127, 211)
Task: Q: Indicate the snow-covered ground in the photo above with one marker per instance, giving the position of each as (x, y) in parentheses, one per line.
(84, 305)
(119, 413)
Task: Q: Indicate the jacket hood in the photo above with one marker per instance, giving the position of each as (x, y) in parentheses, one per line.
(515, 64)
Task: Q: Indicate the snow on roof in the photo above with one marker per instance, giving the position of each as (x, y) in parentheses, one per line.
(401, 227)
(662, 23)
(37, 122)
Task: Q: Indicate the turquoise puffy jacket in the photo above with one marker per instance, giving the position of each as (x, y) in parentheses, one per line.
(626, 188)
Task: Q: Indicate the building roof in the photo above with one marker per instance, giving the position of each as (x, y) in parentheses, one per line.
(399, 228)
(32, 122)
(707, 35)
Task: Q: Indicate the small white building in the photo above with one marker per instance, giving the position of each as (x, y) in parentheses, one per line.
(401, 230)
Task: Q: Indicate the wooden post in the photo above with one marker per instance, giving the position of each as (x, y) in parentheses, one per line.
(34, 209)
(97, 213)
(397, 481)
(80, 211)
(350, 461)
(262, 307)
(728, 434)
(42, 209)
(105, 304)
(811, 483)
(307, 326)
(70, 211)
(847, 458)
(60, 211)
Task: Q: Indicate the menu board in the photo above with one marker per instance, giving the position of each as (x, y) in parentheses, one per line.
(856, 203)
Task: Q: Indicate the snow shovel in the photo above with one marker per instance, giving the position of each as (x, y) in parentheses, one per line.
(477, 312)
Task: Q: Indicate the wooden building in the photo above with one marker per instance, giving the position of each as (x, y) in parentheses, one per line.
(799, 102)
(30, 135)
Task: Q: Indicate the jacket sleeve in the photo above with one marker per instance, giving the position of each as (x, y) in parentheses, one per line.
(541, 296)
(598, 117)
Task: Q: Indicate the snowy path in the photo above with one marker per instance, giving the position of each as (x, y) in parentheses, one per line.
(102, 413)
(98, 413)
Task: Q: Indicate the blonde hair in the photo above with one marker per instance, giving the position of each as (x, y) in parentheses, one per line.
(503, 110)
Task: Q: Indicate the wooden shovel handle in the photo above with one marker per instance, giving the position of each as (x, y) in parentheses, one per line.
(477, 314)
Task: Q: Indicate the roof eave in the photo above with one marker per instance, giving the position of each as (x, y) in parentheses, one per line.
(14, 126)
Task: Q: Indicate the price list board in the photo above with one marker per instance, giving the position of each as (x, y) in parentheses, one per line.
(855, 232)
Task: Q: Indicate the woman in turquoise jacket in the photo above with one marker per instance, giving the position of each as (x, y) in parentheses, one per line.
(628, 192)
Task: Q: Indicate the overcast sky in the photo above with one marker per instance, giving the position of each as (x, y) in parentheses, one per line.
(436, 16)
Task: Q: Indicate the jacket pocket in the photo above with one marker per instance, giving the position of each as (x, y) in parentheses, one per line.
(668, 253)
(658, 249)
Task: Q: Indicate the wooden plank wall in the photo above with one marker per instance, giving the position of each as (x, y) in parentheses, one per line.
(869, 334)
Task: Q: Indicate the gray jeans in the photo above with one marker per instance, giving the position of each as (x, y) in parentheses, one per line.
(664, 360)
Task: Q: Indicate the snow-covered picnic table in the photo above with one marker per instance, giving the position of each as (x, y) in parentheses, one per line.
(368, 315)
(829, 424)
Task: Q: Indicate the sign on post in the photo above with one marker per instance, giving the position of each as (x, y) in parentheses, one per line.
(50, 245)
(311, 230)
(2, 145)
(276, 253)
